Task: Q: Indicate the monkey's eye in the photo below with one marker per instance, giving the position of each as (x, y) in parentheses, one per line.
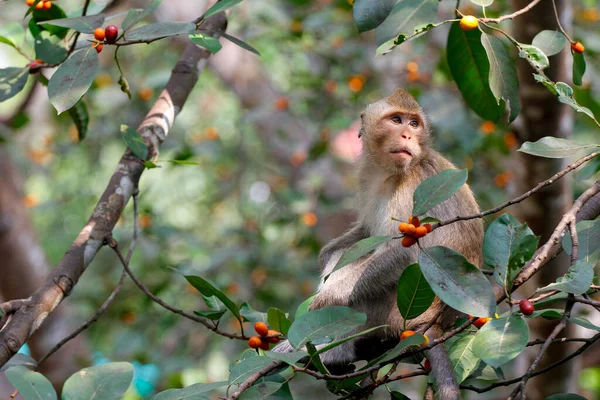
(396, 119)
(414, 123)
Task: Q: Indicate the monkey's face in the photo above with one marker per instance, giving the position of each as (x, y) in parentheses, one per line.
(396, 138)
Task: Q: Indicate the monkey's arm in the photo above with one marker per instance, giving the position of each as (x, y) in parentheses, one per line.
(331, 253)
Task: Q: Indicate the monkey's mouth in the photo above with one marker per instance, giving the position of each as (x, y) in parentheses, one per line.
(401, 153)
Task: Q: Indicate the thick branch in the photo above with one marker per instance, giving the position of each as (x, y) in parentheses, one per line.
(154, 129)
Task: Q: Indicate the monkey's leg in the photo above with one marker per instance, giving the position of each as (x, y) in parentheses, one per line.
(445, 385)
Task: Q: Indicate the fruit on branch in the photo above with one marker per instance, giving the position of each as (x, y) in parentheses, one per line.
(261, 328)
(39, 5)
(254, 342)
(111, 33)
(415, 221)
(577, 47)
(281, 103)
(264, 345)
(29, 2)
(272, 339)
(427, 365)
(47, 5)
(99, 34)
(526, 307)
(420, 232)
(99, 47)
(407, 334)
(428, 227)
(408, 241)
(403, 227)
(479, 322)
(468, 23)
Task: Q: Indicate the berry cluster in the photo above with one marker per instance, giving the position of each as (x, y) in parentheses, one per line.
(42, 5)
(108, 35)
(262, 341)
(413, 230)
(409, 333)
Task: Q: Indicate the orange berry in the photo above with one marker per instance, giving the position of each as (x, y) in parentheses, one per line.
(468, 23)
(146, 93)
(356, 83)
(261, 328)
(407, 334)
(408, 241)
(479, 322)
(281, 103)
(428, 227)
(264, 345)
(254, 342)
(39, 5)
(29, 2)
(414, 220)
(578, 47)
(410, 229)
(309, 219)
(420, 232)
(47, 5)
(99, 48)
(402, 227)
(272, 339)
(99, 34)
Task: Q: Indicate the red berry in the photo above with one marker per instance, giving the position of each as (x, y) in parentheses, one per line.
(427, 365)
(99, 48)
(526, 307)
(111, 33)
(479, 322)
(264, 345)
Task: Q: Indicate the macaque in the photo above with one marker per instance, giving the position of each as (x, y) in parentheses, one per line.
(396, 157)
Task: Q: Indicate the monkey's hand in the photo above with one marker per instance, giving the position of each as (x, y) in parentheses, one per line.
(332, 295)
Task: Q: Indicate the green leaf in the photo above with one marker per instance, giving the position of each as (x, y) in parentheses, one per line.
(11, 34)
(405, 18)
(565, 396)
(85, 24)
(348, 338)
(457, 282)
(501, 340)
(212, 315)
(135, 16)
(437, 189)
(359, 249)
(588, 234)
(576, 281)
(220, 6)
(534, 56)
(194, 392)
(134, 141)
(402, 347)
(261, 390)
(278, 321)
(469, 66)
(485, 372)
(507, 245)
(31, 385)
(37, 22)
(550, 42)
(12, 81)
(483, 3)
(214, 304)
(240, 43)
(414, 295)
(160, 30)
(565, 95)
(73, 78)
(207, 289)
(252, 315)
(20, 359)
(247, 367)
(49, 48)
(584, 322)
(578, 68)
(208, 42)
(552, 299)
(81, 118)
(551, 147)
(322, 326)
(315, 359)
(548, 313)
(462, 357)
(504, 81)
(303, 307)
(369, 14)
(288, 358)
(106, 381)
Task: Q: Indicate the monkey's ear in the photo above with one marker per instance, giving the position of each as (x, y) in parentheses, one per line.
(362, 124)
(361, 132)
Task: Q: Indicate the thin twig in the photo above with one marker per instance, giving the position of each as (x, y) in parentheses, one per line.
(254, 377)
(76, 37)
(560, 28)
(525, 195)
(574, 241)
(513, 15)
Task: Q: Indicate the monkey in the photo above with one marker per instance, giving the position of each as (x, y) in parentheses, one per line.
(396, 157)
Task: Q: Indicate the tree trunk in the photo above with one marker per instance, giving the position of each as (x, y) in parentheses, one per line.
(542, 115)
(24, 266)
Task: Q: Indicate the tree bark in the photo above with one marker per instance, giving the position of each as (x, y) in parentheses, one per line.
(542, 115)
